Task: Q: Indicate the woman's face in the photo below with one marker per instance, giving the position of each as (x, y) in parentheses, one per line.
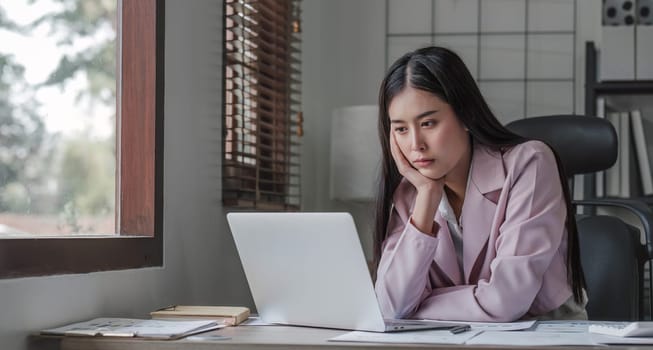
(429, 134)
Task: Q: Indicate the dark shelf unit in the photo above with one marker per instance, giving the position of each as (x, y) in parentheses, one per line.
(595, 88)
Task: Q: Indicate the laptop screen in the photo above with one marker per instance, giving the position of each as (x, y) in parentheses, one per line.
(306, 269)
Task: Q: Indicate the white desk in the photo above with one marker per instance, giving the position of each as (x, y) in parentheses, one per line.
(269, 337)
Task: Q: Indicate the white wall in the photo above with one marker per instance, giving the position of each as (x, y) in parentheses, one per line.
(200, 264)
(589, 29)
(343, 53)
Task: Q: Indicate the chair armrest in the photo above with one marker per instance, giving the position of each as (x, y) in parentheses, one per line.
(642, 211)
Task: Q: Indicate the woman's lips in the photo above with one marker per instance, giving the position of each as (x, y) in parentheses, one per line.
(422, 163)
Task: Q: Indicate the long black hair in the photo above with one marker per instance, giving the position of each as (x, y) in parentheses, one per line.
(441, 72)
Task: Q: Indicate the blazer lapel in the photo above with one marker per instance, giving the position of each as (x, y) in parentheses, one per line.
(445, 254)
(488, 176)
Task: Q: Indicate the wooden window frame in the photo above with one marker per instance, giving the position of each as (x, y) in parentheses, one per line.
(139, 213)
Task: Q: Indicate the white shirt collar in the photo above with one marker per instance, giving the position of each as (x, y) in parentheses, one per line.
(445, 209)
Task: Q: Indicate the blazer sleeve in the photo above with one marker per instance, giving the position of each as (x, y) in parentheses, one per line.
(529, 237)
(402, 276)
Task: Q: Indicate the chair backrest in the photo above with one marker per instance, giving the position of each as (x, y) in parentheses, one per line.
(612, 255)
(584, 144)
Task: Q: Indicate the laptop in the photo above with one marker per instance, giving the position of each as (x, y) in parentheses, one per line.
(308, 269)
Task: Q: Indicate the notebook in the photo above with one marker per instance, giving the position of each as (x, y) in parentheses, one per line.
(309, 269)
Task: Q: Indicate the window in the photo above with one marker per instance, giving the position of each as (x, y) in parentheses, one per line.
(262, 116)
(58, 107)
(139, 162)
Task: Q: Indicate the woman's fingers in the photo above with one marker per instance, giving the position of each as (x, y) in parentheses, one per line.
(402, 163)
(404, 167)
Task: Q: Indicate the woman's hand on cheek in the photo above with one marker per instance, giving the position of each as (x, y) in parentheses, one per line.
(416, 178)
(429, 191)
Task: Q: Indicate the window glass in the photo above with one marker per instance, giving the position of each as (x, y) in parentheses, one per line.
(57, 117)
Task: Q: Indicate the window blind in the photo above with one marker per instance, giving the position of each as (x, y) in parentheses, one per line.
(262, 113)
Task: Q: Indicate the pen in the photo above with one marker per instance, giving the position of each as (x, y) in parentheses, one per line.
(460, 329)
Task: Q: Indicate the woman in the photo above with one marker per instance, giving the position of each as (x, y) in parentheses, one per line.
(473, 222)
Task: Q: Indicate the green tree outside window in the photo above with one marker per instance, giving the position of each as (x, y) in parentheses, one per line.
(53, 181)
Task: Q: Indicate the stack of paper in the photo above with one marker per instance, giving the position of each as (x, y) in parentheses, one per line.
(127, 327)
(530, 333)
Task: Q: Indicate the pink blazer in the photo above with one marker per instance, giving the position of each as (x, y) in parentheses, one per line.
(514, 245)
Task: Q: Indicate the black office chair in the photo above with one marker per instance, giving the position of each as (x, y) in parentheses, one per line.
(612, 254)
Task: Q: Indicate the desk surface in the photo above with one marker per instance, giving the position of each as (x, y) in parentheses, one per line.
(269, 337)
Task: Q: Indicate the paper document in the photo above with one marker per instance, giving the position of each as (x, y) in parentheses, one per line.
(416, 337)
(127, 327)
(606, 339)
(567, 326)
(531, 338)
(542, 333)
(493, 326)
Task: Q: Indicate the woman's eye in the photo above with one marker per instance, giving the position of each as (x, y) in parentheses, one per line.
(400, 129)
(428, 123)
